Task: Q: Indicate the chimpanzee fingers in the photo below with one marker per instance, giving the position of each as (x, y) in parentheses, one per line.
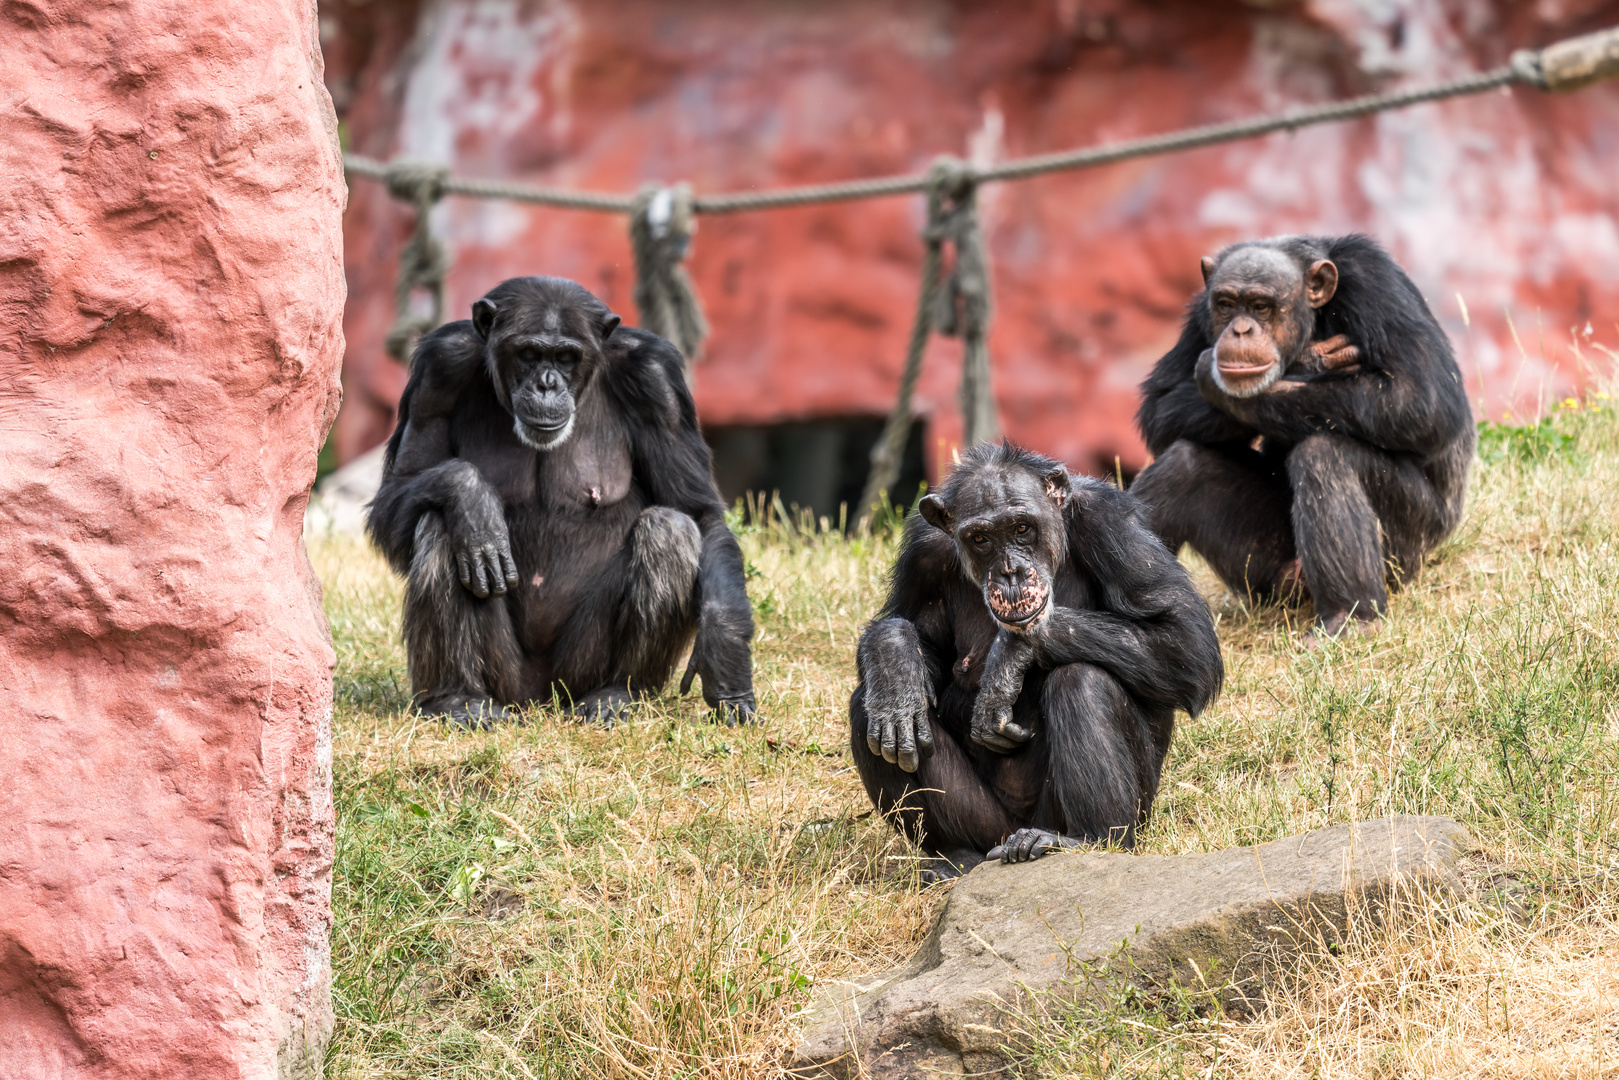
(1016, 734)
(890, 739)
(480, 576)
(509, 565)
(924, 734)
(463, 569)
(497, 574)
(691, 673)
(1046, 842)
(906, 758)
(995, 853)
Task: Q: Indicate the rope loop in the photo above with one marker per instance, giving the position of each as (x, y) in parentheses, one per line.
(662, 222)
(424, 261)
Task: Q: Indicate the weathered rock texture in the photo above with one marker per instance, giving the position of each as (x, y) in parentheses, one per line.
(171, 294)
(1508, 199)
(1008, 930)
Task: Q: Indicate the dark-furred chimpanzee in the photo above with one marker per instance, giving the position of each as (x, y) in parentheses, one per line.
(1018, 689)
(1310, 427)
(552, 505)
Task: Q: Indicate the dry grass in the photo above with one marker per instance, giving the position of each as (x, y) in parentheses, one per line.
(658, 899)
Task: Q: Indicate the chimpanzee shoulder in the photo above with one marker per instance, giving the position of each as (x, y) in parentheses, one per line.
(647, 376)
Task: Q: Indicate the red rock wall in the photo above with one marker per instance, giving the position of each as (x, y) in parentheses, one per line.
(1506, 200)
(171, 290)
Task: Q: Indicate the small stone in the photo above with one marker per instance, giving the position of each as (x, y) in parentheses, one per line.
(1006, 930)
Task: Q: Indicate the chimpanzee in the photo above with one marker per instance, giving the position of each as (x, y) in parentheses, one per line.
(1018, 689)
(551, 503)
(1310, 427)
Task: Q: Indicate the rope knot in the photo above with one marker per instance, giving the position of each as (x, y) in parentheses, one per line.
(662, 222)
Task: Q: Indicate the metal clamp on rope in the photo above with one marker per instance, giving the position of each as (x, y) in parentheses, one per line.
(1572, 64)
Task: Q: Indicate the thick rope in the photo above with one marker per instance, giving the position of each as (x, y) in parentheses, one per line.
(889, 453)
(962, 307)
(424, 260)
(661, 226)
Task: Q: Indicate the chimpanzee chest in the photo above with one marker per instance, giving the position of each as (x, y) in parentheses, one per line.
(589, 472)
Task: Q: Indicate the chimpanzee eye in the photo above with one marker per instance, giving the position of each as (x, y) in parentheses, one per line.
(1022, 528)
(978, 538)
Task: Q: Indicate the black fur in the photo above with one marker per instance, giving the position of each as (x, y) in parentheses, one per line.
(594, 562)
(1358, 473)
(1091, 694)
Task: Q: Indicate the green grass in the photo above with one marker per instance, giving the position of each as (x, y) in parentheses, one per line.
(555, 900)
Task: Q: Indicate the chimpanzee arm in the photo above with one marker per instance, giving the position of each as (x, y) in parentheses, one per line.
(673, 466)
(1153, 632)
(901, 660)
(421, 473)
(1172, 408)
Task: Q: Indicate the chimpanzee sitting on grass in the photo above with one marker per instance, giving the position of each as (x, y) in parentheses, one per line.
(1018, 689)
(552, 505)
(1310, 427)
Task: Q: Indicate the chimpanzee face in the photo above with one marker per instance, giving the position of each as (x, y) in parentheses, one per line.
(1261, 308)
(1007, 524)
(541, 357)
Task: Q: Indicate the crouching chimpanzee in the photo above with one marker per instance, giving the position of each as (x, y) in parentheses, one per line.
(1018, 689)
(552, 505)
(1310, 427)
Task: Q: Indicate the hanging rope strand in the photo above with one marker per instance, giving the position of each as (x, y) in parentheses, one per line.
(889, 453)
(963, 306)
(661, 227)
(424, 261)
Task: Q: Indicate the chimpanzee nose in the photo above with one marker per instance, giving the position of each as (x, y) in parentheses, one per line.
(1242, 325)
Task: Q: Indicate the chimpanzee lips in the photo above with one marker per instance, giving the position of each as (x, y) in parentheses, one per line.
(1017, 607)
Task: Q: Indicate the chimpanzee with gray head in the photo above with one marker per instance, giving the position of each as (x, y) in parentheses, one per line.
(1018, 689)
(551, 503)
(1310, 427)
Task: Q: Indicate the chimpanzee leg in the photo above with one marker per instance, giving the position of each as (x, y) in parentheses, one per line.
(463, 655)
(1230, 508)
(943, 806)
(1105, 756)
(629, 644)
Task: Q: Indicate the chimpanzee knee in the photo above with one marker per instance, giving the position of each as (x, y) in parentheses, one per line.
(1336, 528)
(1105, 760)
(659, 611)
(459, 647)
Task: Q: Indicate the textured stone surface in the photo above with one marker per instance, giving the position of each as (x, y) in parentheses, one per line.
(171, 293)
(1007, 929)
(1508, 199)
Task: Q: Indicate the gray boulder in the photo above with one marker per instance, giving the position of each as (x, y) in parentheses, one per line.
(1085, 923)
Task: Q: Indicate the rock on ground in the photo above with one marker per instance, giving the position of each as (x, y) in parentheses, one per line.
(171, 295)
(1221, 918)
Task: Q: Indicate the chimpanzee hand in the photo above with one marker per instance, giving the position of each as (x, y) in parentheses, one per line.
(1009, 657)
(476, 523)
(898, 695)
(1336, 353)
(720, 656)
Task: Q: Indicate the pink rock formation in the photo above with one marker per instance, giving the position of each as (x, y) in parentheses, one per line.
(1506, 200)
(171, 293)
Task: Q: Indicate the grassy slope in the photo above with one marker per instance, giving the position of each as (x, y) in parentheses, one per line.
(658, 900)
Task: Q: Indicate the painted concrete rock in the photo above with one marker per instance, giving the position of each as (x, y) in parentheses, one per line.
(171, 294)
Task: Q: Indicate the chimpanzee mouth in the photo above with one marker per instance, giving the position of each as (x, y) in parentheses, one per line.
(543, 436)
(1019, 609)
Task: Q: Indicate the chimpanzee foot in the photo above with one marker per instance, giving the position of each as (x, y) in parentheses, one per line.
(1340, 626)
(1026, 844)
(606, 706)
(465, 712)
(949, 865)
(1290, 586)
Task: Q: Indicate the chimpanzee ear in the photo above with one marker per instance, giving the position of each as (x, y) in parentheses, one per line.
(936, 513)
(483, 316)
(609, 324)
(1208, 268)
(1321, 282)
(1058, 485)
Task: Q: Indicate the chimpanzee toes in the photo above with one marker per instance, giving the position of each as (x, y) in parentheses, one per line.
(1339, 627)
(950, 865)
(605, 707)
(465, 713)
